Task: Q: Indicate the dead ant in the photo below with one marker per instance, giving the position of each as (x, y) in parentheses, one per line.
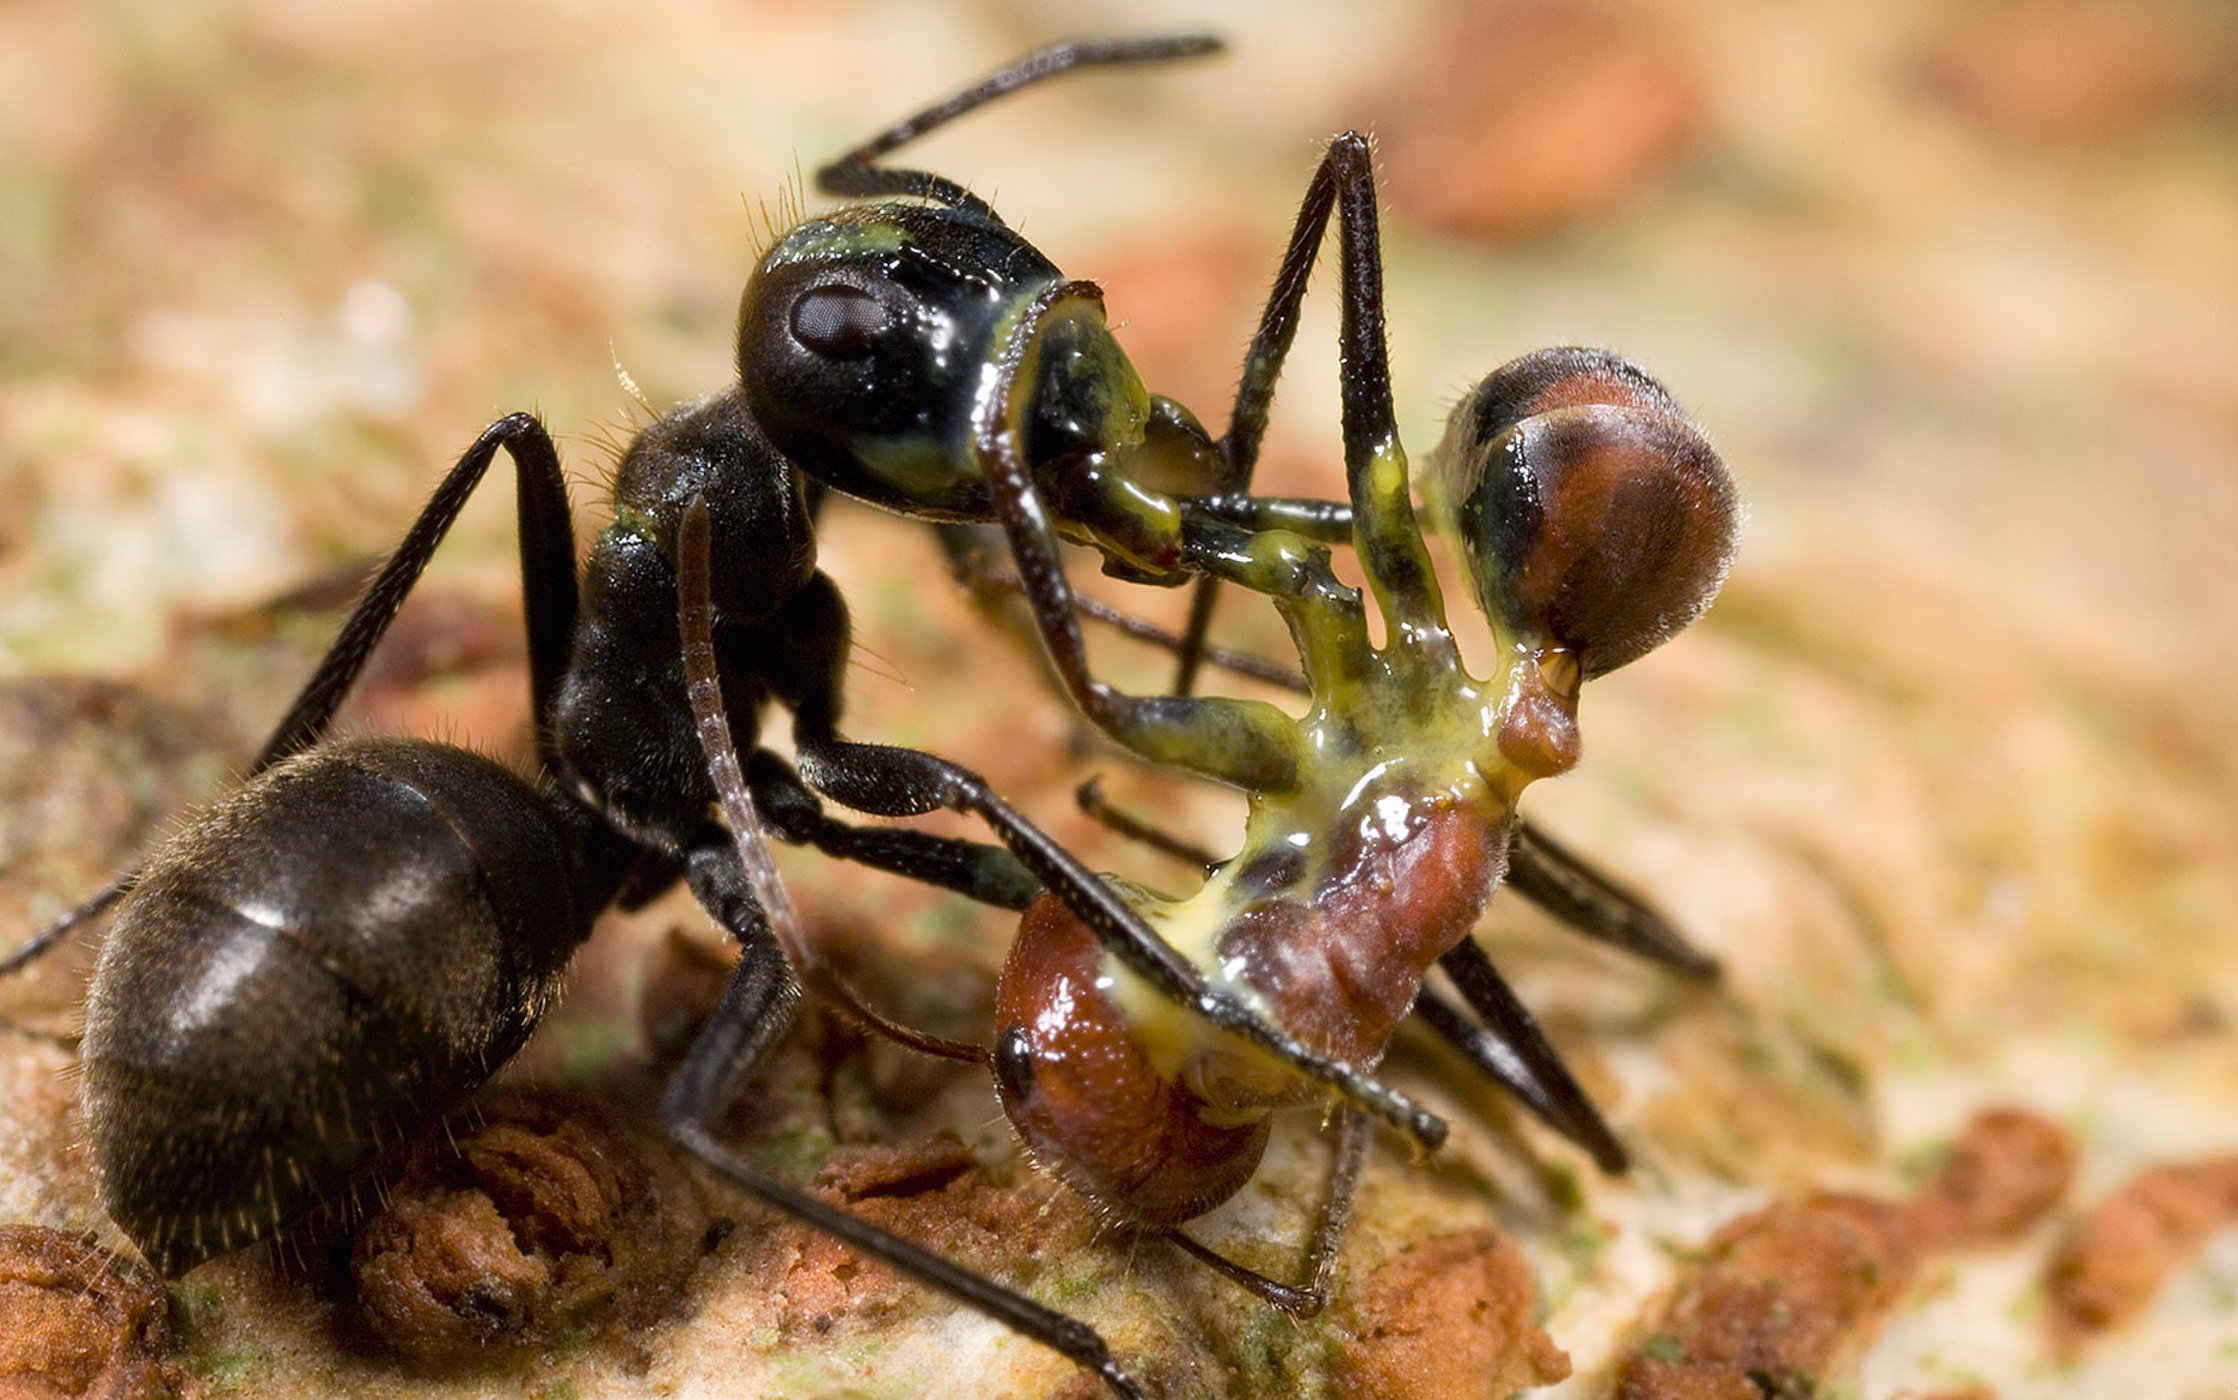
(1593, 520)
(1043, 425)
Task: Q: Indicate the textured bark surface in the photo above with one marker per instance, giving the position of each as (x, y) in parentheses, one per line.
(1945, 779)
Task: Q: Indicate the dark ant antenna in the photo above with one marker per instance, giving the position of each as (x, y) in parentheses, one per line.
(858, 174)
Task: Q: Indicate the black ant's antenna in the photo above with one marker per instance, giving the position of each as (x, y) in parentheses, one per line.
(858, 174)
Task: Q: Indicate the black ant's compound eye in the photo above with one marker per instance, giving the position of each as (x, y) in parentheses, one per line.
(1014, 1065)
(1594, 514)
(839, 322)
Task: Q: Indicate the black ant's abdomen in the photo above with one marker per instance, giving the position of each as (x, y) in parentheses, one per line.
(262, 1022)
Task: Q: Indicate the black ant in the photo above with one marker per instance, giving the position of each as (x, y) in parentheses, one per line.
(265, 1019)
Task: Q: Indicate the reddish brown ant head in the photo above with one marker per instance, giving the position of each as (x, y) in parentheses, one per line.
(1077, 1079)
(1596, 519)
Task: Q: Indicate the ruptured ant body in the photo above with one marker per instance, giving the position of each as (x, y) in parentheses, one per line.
(339, 952)
(1593, 521)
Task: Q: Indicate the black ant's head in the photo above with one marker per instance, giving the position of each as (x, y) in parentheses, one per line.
(861, 339)
(866, 336)
(1595, 517)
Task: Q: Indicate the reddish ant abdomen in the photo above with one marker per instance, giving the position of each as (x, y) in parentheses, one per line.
(1162, 1133)
(1091, 1100)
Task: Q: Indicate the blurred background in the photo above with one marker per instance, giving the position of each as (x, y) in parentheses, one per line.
(1949, 778)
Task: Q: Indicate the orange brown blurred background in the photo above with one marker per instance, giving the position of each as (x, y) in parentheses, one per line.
(1948, 779)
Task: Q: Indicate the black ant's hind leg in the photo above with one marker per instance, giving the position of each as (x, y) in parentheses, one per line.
(752, 1016)
(48, 938)
(738, 884)
(547, 538)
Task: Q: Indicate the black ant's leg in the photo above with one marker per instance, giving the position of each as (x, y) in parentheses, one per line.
(735, 879)
(857, 172)
(1322, 1249)
(759, 996)
(1562, 883)
(1511, 1048)
(1540, 868)
(985, 873)
(749, 1020)
(1247, 743)
(904, 782)
(547, 537)
(40, 943)
(719, 880)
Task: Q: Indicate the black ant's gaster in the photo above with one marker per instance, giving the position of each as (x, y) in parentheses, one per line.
(336, 954)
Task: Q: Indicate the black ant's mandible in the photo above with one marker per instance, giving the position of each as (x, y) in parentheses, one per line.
(339, 952)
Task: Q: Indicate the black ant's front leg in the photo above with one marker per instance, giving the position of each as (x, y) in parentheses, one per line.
(547, 543)
(984, 873)
(1247, 743)
(905, 782)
